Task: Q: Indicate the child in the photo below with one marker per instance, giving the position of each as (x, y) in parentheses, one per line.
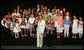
(3, 21)
(16, 29)
(9, 25)
(31, 21)
(74, 27)
(22, 26)
(45, 16)
(66, 25)
(38, 8)
(80, 27)
(60, 26)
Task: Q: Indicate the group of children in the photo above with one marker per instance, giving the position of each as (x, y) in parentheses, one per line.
(25, 21)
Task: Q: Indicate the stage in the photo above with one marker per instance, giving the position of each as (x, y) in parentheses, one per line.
(9, 42)
(54, 47)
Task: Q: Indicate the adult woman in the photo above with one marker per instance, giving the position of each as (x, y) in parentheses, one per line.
(40, 31)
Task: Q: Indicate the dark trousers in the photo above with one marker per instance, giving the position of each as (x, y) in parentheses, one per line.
(49, 39)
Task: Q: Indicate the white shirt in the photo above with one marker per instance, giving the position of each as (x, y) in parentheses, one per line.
(49, 13)
(55, 24)
(2, 22)
(41, 26)
(38, 9)
(16, 13)
(19, 20)
(67, 17)
(31, 20)
(61, 11)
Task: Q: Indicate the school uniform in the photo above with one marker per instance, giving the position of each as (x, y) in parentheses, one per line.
(40, 31)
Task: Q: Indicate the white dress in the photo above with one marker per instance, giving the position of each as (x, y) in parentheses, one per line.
(27, 26)
(16, 30)
(23, 26)
(80, 28)
(75, 26)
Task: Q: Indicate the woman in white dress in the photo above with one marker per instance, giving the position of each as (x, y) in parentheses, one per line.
(74, 27)
(17, 29)
(80, 27)
(40, 31)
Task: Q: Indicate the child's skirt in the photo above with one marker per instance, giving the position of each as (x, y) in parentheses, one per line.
(59, 29)
(27, 26)
(16, 30)
(22, 26)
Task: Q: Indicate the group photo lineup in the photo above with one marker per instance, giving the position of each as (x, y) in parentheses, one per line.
(42, 22)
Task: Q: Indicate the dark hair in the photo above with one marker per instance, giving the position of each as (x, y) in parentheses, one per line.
(16, 20)
(41, 16)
